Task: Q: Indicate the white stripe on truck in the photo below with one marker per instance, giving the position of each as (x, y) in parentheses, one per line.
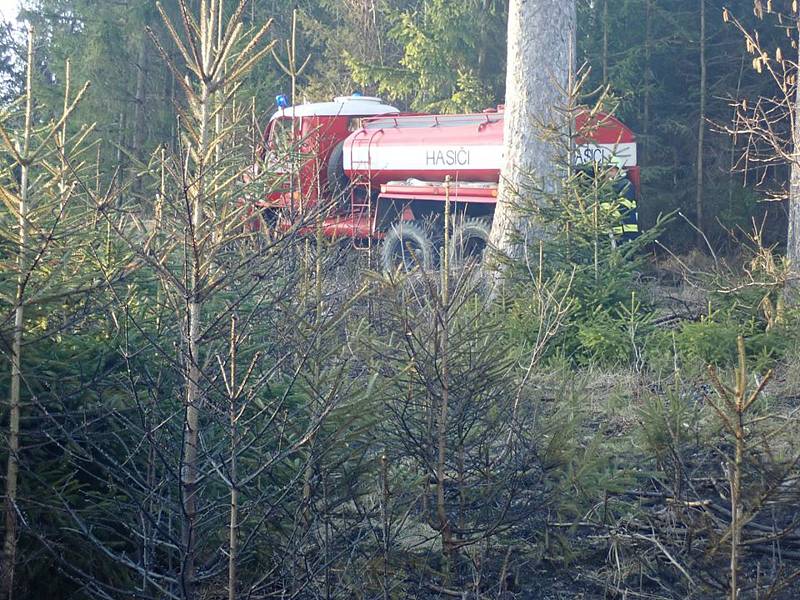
(467, 157)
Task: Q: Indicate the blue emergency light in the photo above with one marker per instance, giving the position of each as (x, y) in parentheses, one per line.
(281, 101)
(357, 94)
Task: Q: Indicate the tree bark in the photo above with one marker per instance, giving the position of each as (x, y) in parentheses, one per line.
(444, 525)
(648, 81)
(139, 101)
(233, 529)
(701, 127)
(193, 374)
(139, 106)
(793, 235)
(541, 43)
(484, 33)
(605, 42)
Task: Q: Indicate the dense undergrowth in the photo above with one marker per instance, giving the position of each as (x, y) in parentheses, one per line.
(215, 410)
(408, 435)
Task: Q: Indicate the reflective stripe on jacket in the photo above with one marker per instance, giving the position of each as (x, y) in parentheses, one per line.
(623, 211)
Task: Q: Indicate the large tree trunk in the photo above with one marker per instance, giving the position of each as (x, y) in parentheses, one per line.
(541, 49)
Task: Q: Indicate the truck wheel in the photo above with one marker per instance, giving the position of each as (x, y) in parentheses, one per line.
(406, 246)
(469, 240)
(338, 182)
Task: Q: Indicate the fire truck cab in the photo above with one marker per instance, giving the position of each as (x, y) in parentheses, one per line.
(300, 139)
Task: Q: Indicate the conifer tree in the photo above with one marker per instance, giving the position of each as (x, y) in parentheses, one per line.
(39, 224)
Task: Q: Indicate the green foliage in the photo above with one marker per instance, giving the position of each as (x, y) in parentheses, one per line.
(738, 208)
(608, 322)
(615, 336)
(441, 55)
(338, 417)
(673, 427)
(649, 54)
(11, 76)
(452, 57)
(747, 301)
(712, 340)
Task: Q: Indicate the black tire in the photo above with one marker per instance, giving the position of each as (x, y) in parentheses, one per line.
(406, 246)
(469, 240)
(338, 182)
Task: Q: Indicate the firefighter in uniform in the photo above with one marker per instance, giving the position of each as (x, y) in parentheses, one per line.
(622, 208)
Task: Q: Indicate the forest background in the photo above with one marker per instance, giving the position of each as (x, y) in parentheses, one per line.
(201, 410)
(443, 56)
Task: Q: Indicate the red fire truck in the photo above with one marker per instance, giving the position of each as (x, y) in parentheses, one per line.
(378, 174)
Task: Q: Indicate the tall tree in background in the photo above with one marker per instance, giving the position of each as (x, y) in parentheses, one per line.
(442, 56)
(39, 223)
(701, 125)
(21, 152)
(207, 55)
(793, 234)
(541, 51)
(768, 122)
(132, 103)
(652, 56)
